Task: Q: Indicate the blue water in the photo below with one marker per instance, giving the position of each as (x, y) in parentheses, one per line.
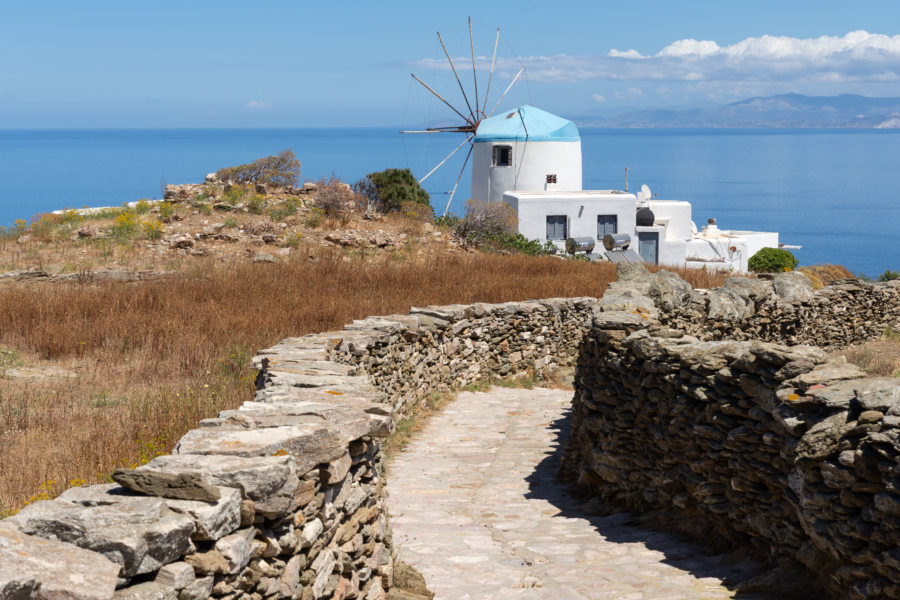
(835, 192)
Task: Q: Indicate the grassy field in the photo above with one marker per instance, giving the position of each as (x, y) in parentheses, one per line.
(149, 359)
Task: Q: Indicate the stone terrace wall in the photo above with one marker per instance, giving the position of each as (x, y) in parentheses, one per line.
(446, 347)
(782, 309)
(281, 498)
(744, 442)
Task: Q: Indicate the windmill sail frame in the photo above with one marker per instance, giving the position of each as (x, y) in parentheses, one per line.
(475, 116)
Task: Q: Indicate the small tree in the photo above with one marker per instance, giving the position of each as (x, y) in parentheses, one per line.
(282, 169)
(772, 260)
(390, 189)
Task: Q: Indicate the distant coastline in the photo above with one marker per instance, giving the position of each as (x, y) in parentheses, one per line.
(785, 111)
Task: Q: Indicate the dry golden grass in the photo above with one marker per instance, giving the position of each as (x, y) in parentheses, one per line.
(822, 275)
(878, 358)
(154, 357)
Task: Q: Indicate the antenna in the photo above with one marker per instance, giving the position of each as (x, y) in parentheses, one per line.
(626, 179)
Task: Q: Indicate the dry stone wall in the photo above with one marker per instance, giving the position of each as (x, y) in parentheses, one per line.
(782, 309)
(767, 445)
(748, 443)
(440, 348)
(281, 498)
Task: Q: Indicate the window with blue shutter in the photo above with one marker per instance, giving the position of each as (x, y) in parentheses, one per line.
(556, 227)
(607, 225)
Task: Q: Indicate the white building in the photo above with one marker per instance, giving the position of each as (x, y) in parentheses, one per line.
(531, 160)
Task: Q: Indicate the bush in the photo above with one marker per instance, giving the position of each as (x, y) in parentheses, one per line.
(486, 222)
(283, 169)
(153, 230)
(166, 211)
(125, 226)
(390, 189)
(771, 260)
(335, 198)
(889, 275)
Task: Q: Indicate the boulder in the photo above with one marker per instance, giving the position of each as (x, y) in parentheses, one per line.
(269, 481)
(149, 590)
(310, 443)
(793, 287)
(138, 532)
(34, 567)
(185, 485)
(212, 520)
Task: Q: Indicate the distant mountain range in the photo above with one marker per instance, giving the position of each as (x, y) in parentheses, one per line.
(846, 111)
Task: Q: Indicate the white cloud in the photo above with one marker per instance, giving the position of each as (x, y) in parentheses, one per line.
(257, 105)
(599, 98)
(858, 56)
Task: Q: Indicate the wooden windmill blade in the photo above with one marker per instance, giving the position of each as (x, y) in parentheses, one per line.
(476, 112)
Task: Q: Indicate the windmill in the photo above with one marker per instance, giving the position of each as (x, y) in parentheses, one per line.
(474, 112)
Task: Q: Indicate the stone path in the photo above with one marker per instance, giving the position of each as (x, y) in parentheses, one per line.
(474, 506)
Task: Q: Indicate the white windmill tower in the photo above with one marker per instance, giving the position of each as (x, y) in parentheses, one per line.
(473, 115)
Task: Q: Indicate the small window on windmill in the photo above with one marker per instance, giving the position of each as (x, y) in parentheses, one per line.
(502, 156)
(551, 177)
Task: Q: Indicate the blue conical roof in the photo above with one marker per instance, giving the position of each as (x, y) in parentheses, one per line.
(526, 123)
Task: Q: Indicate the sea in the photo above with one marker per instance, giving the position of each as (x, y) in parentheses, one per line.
(835, 193)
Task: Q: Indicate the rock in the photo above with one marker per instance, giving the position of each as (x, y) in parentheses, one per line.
(337, 469)
(728, 305)
(289, 580)
(33, 567)
(139, 533)
(236, 550)
(793, 287)
(200, 589)
(177, 575)
(86, 233)
(262, 257)
(181, 241)
(311, 532)
(186, 485)
(149, 590)
(310, 444)
(669, 291)
(212, 520)
(269, 481)
(211, 562)
(270, 238)
(211, 178)
(323, 567)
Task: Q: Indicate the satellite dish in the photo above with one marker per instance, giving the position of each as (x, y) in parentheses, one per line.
(644, 194)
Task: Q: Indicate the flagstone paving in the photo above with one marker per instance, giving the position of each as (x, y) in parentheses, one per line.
(475, 507)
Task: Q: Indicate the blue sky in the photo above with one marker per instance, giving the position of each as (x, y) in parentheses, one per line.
(282, 64)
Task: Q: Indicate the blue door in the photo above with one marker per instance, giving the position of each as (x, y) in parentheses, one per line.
(648, 246)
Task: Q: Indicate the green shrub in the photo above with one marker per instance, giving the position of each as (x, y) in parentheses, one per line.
(166, 211)
(390, 189)
(125, 226)
(256, 204)
(282, 210)
(772, 260)
(142, 207)
(889, 275)
(283, 169)
(517, 242)
(315, 217)
(153, 230)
